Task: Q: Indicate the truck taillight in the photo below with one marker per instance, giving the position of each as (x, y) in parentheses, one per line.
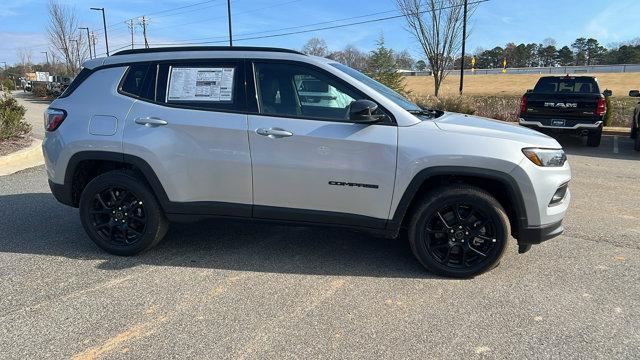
(53, 118)
(523, 105)
(601, 109)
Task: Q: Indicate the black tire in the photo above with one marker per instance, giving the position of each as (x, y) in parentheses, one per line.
(479, 231)
(121, 214)
(636, 146)
(594, 138)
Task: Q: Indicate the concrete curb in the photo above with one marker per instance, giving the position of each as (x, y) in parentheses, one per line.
(620, 131)
(22, 159)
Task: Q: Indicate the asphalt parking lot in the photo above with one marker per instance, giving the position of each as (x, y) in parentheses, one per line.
(223, 289)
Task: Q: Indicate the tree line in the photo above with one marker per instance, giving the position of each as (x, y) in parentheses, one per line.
(583, 51)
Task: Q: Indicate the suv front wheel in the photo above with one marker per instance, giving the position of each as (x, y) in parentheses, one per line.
(120, 214)
(459, 231)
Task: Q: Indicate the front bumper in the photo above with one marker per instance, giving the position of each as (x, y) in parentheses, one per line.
(538, 234)
(577, 126)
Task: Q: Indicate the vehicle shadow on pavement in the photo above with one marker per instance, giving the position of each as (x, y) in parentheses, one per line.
(576, 145)
(35, 223)
(29, 97)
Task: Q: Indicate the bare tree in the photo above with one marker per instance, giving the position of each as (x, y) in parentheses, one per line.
(65, 38)
(351, 57)
(316, 46)
(437, 26)
(25, 57)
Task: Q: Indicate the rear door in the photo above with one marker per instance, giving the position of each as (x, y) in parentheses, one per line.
(310, 163)
(193, 133)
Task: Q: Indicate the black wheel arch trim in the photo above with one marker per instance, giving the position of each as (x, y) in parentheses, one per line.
(513, 191)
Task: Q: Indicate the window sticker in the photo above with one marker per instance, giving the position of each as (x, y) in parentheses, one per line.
(200, 84)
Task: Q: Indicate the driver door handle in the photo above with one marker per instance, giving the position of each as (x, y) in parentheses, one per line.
(150, 121)
(274, 132)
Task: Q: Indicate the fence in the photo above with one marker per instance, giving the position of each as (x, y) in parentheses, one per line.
(622, 68)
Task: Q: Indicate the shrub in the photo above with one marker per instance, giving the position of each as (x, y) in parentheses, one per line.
(8, 84)
(459, 104)
(11, 118)
(608, 117)
(39, 90)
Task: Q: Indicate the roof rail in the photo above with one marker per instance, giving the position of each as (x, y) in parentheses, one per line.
(204, 48)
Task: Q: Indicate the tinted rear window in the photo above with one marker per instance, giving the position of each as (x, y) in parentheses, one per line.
(140, 81)
(82, 76)
(567, 85)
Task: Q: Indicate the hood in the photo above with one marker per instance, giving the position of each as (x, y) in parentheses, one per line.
(475, 125)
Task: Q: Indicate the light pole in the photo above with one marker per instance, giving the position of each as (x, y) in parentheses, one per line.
(104, 24)
(47, 56)
(88, 39)
(229, 13)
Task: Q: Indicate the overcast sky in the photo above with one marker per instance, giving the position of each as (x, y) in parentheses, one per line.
(495, 22)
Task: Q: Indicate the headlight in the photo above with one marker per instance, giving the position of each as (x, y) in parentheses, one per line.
(546, 157)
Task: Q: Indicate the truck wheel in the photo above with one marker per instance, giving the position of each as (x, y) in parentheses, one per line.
(120, 214)
(594, 138)
(459, 231)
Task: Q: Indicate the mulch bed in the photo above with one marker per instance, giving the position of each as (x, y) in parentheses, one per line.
(12, 145)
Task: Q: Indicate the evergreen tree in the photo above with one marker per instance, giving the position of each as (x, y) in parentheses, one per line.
(382, 67)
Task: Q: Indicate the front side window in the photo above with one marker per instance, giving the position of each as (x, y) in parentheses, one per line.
(300, 91)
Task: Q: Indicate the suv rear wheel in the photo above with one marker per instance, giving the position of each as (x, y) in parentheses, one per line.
(120, 214)
(594, 137)
(459, 231)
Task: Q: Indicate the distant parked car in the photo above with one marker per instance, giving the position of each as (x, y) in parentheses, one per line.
(635, 121)
(571, 104)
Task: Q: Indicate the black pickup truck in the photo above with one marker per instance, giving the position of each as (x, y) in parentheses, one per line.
(571, 104)
(635, 121)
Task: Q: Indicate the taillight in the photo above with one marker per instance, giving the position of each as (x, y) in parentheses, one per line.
(53, 118)
(601, 109)
(523, 105)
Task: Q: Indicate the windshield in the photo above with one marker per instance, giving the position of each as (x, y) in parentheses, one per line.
(382, 89)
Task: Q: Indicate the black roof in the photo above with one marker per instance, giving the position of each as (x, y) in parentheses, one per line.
(205, 48)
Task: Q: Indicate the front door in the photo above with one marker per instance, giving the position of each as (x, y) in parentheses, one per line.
(310, 163)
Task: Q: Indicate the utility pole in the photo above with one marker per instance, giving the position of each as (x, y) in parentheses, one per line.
(131, 28)
(229, 14)
(93, 41)
(47, 55)
(143, 22)
(88, 40)
(464, 41)
(77, 51)
(104, 24)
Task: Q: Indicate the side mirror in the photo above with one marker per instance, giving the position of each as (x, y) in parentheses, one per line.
(634, 93)
(362, 112)
(607, 93)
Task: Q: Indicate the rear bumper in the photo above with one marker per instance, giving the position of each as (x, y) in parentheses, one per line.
(539, 234)
(62, 193)
(578, 126)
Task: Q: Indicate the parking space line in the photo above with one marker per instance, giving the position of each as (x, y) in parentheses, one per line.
(615, 144)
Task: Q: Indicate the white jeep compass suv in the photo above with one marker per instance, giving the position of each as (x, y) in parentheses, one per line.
(148, 136)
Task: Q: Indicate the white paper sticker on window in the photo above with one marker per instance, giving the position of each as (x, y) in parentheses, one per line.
(200, 84)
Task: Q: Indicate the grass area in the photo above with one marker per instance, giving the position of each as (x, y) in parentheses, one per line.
(498, 96)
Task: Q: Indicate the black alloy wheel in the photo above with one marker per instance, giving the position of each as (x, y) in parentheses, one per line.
(121, 214)
(459, 231)
(460, 236)
(118, 216)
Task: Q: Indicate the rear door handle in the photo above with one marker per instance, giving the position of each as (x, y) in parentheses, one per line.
(274, 132)
(150, 121)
